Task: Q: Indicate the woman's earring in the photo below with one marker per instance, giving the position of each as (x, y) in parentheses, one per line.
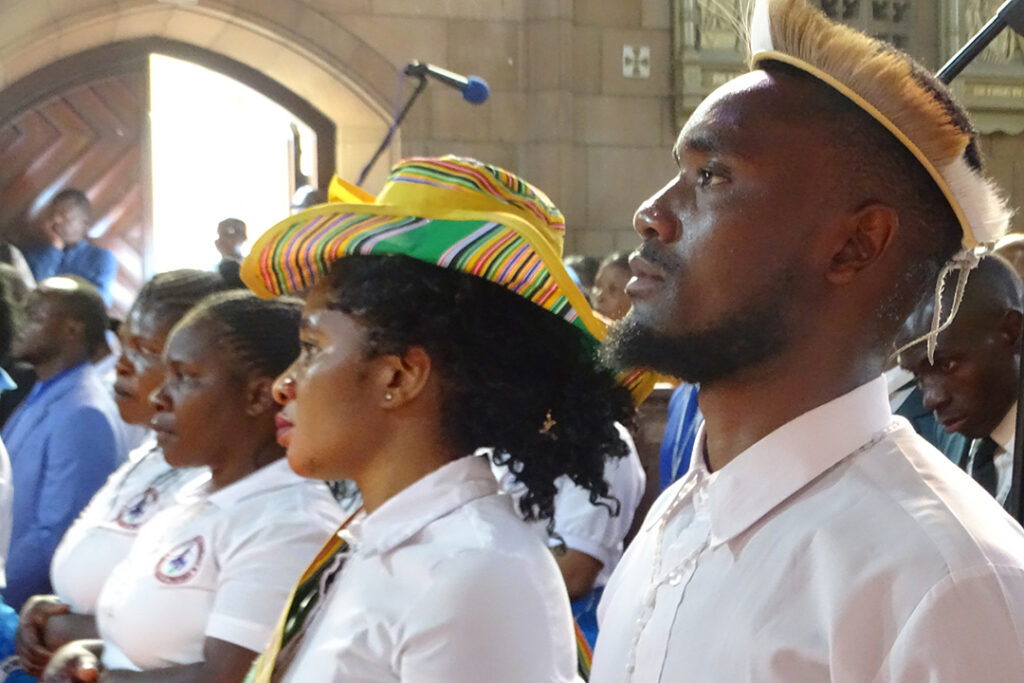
(388, 396)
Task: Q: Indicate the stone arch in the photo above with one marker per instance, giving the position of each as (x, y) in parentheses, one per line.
(309, 54)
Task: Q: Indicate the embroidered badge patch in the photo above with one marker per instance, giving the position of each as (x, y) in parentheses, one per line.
(138, 509)
(182, 562)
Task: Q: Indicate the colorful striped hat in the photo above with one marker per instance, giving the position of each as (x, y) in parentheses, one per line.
(450, 211)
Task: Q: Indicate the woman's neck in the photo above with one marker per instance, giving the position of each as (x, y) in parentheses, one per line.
(405, 459)
(241, 466)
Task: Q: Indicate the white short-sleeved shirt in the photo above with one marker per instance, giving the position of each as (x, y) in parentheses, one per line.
(104, 532)
(445, 585)
(6, 502)
(841, 547)
(218, 565)
(583, 526)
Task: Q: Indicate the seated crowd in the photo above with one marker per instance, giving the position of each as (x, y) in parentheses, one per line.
(395, 442)
(110, 544)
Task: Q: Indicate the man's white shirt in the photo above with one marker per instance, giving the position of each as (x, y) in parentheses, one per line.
(841, 547)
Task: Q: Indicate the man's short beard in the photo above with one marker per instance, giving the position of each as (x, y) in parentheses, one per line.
(745, 338)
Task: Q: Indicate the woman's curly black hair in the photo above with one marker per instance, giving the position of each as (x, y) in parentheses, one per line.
(514, 377)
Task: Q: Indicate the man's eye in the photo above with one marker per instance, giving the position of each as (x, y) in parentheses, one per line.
(708, 178)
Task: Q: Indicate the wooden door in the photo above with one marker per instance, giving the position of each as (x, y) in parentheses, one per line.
(90, 136)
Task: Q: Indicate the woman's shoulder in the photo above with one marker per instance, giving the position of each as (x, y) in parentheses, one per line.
(288, 508)
(485, 530)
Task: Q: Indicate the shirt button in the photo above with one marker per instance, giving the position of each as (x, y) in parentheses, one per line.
(675, 578)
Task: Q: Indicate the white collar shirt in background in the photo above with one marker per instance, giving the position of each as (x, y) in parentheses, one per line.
(445, 585)
(103, 534)
(900, 384)
(6, 502)
(841, 547)
(220, 564)
(580, 524)
(1003, 435)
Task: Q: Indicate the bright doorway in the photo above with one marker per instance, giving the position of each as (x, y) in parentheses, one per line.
(220, 149)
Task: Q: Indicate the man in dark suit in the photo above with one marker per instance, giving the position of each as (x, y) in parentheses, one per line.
(972, 384)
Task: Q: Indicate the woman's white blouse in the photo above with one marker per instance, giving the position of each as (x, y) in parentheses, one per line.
(218, 565)
(584, 526)
(445, 585)
(104, 532)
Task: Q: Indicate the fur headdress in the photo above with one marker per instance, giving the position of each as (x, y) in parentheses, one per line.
(909, 102)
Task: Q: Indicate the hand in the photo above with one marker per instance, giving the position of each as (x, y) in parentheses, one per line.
(73, 663)
(30, 638)
(48, 230)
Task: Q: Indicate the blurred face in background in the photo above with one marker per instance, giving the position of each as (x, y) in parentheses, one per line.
(139, 368)
(609, 294)
(67, 220)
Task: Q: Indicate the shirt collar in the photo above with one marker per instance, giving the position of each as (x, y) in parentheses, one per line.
(432, 497)
(39, 387)
(6, 382)
(789, 458)
(1004, 431)
(273, 476)
(897, 378)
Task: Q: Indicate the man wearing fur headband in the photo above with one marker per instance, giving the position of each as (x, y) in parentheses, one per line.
(816, 537)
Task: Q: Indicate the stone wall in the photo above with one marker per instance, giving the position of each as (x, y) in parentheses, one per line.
(560, 112)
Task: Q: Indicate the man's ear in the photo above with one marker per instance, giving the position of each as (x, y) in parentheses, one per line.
(398, 380)
(73, 329)
(868, 233)
(1010, 329)
(260, 396)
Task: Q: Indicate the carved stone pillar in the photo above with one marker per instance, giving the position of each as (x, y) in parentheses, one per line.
(992, 87)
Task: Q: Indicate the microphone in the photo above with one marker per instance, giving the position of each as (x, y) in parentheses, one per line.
(473, 88)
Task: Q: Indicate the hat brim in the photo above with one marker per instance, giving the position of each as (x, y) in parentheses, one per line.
(294, 254)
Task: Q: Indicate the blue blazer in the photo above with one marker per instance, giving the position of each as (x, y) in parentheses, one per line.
(84, 259)
(64, 440)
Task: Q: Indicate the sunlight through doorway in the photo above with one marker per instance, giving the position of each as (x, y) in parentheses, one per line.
(219, 149)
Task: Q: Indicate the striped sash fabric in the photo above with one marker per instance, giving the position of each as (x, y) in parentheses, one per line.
(301, 608)
(583, 653)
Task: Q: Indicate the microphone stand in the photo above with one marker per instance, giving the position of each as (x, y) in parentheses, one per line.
(394, 125)
(1010, 14)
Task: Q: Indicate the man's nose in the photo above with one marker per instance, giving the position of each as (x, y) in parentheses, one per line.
(933, 395)
(655, 219)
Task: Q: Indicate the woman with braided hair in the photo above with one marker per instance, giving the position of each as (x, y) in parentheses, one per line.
(102, 535)
(196, 597)
(407, 370)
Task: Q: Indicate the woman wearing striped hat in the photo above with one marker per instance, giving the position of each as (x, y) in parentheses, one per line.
(440, 321)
